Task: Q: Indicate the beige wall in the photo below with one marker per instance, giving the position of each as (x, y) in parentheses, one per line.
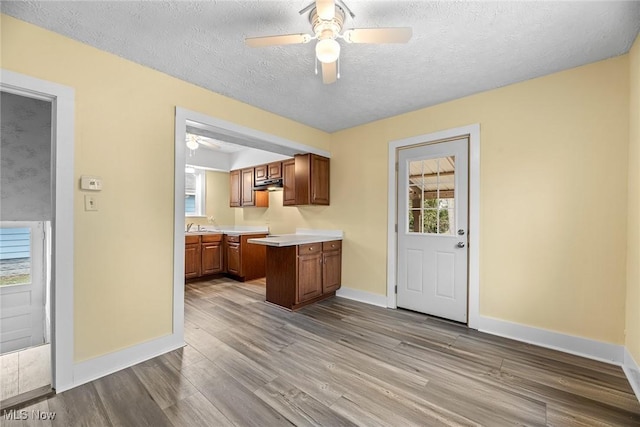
(284, 219)
(553, 192)
(633, 256)
(217, 201)
(123, 263)
(553, 197)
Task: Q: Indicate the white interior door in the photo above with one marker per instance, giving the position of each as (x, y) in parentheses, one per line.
(433, 214)
(22, 285)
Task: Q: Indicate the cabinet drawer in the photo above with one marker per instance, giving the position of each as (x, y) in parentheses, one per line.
(310, 248)
(211, 238)
(233, 239)
(333, 245)
(191, 239)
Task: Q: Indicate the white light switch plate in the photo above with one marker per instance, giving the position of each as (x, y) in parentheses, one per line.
(90, 203)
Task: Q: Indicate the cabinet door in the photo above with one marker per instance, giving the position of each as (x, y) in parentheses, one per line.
(247, 187)
(289, 183)
(235, 189)
(331, 271)
(309, 277)
(274, 170)
(233, 259)
(192, 261)
(211, 255)
(261, 173)
(319, 180)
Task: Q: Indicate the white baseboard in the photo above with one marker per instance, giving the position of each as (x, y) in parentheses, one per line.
(101, 366)
(362, 296)
(632, 371)
(585, 347)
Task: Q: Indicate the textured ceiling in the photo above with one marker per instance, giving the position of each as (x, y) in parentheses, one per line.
(457, 49)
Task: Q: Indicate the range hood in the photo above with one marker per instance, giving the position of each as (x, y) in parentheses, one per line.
(268, 185)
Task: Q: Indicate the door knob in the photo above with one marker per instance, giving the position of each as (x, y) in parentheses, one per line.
(460, 244)
(461, 232)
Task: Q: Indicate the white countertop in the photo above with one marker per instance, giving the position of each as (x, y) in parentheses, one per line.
(302, 236)
(230, 230)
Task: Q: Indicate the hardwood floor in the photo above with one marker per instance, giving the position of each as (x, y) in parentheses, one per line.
(342, 363)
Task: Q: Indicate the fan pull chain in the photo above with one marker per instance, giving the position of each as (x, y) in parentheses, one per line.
(316, 65)
(338, 75)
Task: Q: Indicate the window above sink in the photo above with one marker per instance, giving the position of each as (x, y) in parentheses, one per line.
(194, 192)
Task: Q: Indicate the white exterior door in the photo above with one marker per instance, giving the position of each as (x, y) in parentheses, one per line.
(433, 213)
(22, 285)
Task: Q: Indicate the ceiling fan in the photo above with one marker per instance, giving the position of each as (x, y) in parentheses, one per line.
(327, 19)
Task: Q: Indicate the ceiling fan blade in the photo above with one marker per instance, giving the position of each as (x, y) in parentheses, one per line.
(277, 40)
(329, 72)
(326, 9)
(378, 35)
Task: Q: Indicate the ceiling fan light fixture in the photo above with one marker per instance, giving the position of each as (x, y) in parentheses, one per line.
(192, 142)
(327, 51)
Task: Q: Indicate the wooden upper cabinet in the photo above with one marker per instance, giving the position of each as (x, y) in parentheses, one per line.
(261, 173)
(241, 190)
(308, 181)
(235, 189)
(319, 180)
(265, 172)
(248, 198)
(274, 170)
(289, 182)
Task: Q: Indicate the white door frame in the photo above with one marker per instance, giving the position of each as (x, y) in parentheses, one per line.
(473, 132)
(62, 100)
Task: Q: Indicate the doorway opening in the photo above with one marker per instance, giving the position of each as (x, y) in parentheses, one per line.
(435, 218)
(224, 132)
(25, 256)
(41, 248)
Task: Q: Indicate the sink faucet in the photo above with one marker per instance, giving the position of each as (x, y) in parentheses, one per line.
(199, 229)
(189, 226)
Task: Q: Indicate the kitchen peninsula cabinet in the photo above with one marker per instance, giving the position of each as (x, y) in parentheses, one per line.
(306, 180)
(298, 275)
(244, 261)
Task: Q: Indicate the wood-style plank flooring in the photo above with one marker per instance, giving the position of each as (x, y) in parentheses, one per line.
(342, 363)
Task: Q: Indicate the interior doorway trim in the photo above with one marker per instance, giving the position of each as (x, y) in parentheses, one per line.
(473, 133)
(62, 100)
(253, 136)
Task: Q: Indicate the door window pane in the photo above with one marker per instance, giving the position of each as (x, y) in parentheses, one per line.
(15, 256)
(431, 196)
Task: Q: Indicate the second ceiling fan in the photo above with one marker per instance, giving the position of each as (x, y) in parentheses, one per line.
(327, 19)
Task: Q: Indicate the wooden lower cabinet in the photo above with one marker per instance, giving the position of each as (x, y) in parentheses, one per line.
(233, 259)
(331, 266)
(244, 261)
(207, 254)
(192, 260)
(211, 256)
(309, 277)
(303, 274)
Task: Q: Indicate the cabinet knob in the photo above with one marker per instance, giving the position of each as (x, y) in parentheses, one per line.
(311, 248)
